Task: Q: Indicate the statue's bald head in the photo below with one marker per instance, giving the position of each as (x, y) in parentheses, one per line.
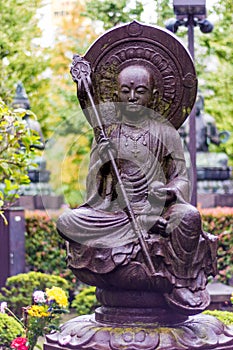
(137, 73)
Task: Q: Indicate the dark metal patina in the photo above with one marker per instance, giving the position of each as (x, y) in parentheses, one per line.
(136, 237)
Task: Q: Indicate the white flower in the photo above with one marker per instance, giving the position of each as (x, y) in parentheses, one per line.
(39, 296)
(9, 119)
(3, 306)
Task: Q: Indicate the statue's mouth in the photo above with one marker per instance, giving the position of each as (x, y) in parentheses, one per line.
(133, 106)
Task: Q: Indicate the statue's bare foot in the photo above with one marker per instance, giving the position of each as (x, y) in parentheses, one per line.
(188, 297)
(187, 301)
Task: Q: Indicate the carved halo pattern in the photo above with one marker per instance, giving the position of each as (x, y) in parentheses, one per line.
(151, 46)
(163, 69)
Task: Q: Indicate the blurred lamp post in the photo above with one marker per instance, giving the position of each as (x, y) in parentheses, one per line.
(190, 13)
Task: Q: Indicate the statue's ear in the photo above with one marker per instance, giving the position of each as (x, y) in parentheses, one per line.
(156, 96)
(155, 92)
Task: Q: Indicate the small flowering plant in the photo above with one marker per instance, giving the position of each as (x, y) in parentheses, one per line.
(39, 318)
(20, 343)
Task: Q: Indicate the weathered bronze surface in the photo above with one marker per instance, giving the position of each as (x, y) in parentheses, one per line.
(151, 47)
(136, 237)
(200, 332)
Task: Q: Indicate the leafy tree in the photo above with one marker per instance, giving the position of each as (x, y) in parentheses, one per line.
(21, 56)
(114, 12)
(164, 10)
(217, 77)
(214, 62)
(75, 35)
(16, 153)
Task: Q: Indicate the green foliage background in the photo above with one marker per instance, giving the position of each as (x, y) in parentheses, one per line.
(220, 223)
(22, 58)
(216, 72)
(9, 330)
(85, 301)
(45, 249)
(224, 316)
(114, 12)
(16, 154)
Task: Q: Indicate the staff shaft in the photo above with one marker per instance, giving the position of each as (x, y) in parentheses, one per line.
(128, 207)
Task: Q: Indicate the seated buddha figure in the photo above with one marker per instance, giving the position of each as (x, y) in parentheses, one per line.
(104, 249)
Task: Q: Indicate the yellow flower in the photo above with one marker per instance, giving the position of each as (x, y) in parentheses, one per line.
(58, 295)
(38, 311)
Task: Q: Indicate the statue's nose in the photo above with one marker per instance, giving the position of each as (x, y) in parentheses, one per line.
(132, 96)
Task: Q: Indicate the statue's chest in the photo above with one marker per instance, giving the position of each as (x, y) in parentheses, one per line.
(134, 145)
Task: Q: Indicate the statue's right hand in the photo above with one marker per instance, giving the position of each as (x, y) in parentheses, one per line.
(104, 146)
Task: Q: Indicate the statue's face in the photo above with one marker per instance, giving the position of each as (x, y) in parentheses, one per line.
(135, 89)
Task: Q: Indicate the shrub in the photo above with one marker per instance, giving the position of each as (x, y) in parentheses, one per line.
(223, 316)
(19, 289)
(45, 249)
(85, 301)
(219, 221)
(16, 153)
(9, 330)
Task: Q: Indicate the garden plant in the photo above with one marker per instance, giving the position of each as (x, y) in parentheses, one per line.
(16, 154)
(19, 289)
(38, 319)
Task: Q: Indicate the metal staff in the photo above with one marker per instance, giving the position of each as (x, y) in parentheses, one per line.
(81, 71)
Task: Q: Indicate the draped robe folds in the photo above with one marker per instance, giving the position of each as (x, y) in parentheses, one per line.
(148, 156)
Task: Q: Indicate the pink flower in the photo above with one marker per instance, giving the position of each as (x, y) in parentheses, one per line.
(20, 343)
(23, 347)
(39, 296)
(3, 306)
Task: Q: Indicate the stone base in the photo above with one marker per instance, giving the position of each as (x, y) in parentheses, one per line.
(220, 295)
(200, 332)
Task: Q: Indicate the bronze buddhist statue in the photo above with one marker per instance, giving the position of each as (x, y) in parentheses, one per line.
(136, 237)
(149, 157)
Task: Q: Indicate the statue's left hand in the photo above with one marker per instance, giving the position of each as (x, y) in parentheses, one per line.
(160, 226)
(155, 224)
